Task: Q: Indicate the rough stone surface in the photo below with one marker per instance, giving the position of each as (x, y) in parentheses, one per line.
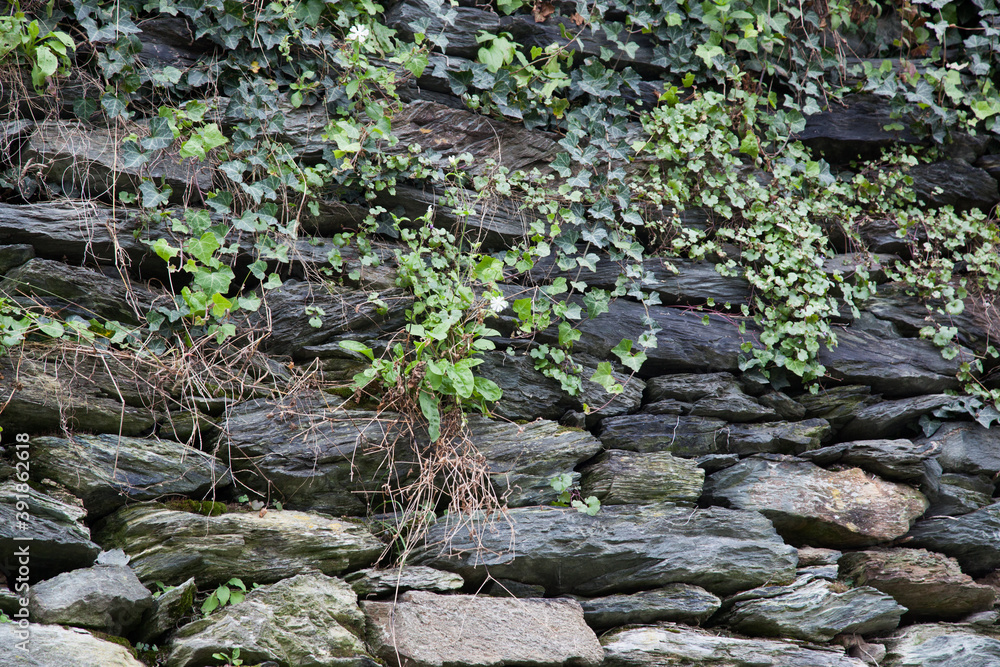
(527, 394)
(523, 458)
(373, 582)
(954, 494)
(309, 453)
(59, 540)
(954, 183)
(894, 367)
(967, 447)
(900, 459)
(308, 620)
(971, 539)
(621, 549)
(47, 393)
(55, 646)
(75, 290)
(810, 505)
(837, 405)
(692, 436)
(929, 585)
(890, 419)
(427, 630)
(109, 598)
(88, 160)
(106, 471)
(811, 609)
(677, 602)
(170, 546)
(168, 609)
(943, 645)
(670, 644)
(619, 477)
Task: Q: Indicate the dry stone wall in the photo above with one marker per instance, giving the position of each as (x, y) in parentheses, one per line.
(741, 523)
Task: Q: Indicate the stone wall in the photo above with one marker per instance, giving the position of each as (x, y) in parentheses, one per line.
(742, 522)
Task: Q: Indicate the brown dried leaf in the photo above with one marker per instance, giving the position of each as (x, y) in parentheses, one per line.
(577, 18)
(542, 11)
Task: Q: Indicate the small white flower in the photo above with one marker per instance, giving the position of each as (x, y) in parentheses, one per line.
(497, 304)
(358, 33)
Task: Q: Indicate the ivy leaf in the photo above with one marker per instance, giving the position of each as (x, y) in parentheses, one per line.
(151, 197)
(160, 134)
(214, 282)
(603, 377)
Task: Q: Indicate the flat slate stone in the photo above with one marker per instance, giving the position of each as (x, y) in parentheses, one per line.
(528, 394)
(812, 609)
(693, 436)
(669, 644)
(967, 447)
(43, 400)
(375, 582)
(109, 598)
(308, 619)
(620, 549)
(928, 584)
(56, 646)
(890, 419)
(106, 471)
(619, 477)
(901, 459)
(171, 546)
(311, 454)
(893, 367)
(816, 507)
(943, 645)
(971, 539)
(676, 602)
(523, 458)
(58, 539)
(954, 494)
(426, 630)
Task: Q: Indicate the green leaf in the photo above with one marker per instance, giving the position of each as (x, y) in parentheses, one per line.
(463, 381)
(46, 61)
(160, 134)
(214, 282)
(210, 604)
(488, 389)
(355, 346)
(152, 197)
(603, 377)
(430, 407)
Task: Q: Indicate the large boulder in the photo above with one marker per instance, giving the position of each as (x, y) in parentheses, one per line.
(426, 630)
(673, 644)
(309, 620)
(620, 549)
(811, 609)
(929, 585)
(56, 646)
(817, 507)
(109, 598)
(170, 546)
(106, 471)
